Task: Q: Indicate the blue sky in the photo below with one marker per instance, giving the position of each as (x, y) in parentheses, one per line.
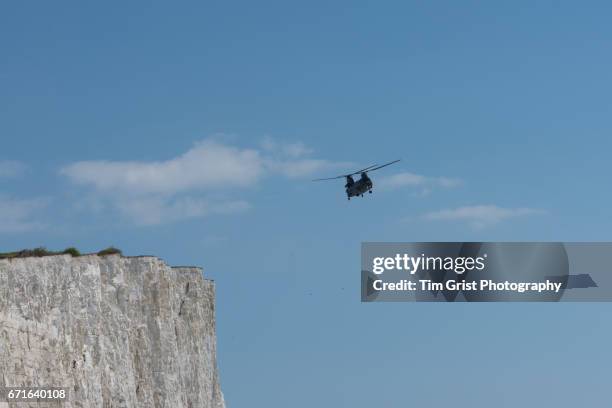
(191, 132)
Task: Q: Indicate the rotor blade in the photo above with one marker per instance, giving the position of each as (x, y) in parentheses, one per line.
(345, 175)
(384, 165)
(329, 178)
(366, 169)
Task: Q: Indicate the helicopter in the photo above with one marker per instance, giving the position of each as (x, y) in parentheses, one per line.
(359, 187)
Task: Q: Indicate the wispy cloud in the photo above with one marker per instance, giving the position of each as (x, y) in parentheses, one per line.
(425, 184)
(480, 216)
(154, 210)
(209, 164)
(155, 192)
(304, 167)
(291, 149)
(18, 215)
(293, 159)
(11, 168)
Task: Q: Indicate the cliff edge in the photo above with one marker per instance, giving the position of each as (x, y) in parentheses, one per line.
(115, 331)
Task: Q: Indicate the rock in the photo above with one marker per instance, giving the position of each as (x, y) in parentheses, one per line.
(116, 331)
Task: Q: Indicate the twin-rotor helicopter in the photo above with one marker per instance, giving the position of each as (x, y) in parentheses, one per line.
(361, 186)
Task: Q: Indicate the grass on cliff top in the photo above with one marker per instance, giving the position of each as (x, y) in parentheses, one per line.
(41, 251)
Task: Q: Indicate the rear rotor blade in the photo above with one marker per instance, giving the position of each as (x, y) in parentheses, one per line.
(362, 170)
(384, 165)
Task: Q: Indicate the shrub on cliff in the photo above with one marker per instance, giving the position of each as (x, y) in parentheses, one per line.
(110, 251)
(72, 251)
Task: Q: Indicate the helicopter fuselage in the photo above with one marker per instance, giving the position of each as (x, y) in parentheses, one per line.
(363, 185)
(359, 187)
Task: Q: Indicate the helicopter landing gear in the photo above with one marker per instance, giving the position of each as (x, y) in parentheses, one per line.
(370, 191)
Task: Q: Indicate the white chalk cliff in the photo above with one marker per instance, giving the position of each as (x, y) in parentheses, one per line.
(116, 331)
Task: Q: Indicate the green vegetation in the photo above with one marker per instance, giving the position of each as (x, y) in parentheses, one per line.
(110, 251)
(72, 251)
(42, 251)
(25, 253)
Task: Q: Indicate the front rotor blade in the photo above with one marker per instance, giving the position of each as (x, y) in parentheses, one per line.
(345, 175)
(367, 169)
(384, 165)
(329, 178)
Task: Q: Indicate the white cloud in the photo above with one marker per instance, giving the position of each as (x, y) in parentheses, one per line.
(153, 210)
(303, 167)
(294, 150)
(480, 216)
(426, 184)
(163, 191)
(291, 159)
(208, 164)
(10, 168)
(16, 215)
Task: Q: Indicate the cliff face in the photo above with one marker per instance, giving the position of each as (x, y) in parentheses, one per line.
(115, 331)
